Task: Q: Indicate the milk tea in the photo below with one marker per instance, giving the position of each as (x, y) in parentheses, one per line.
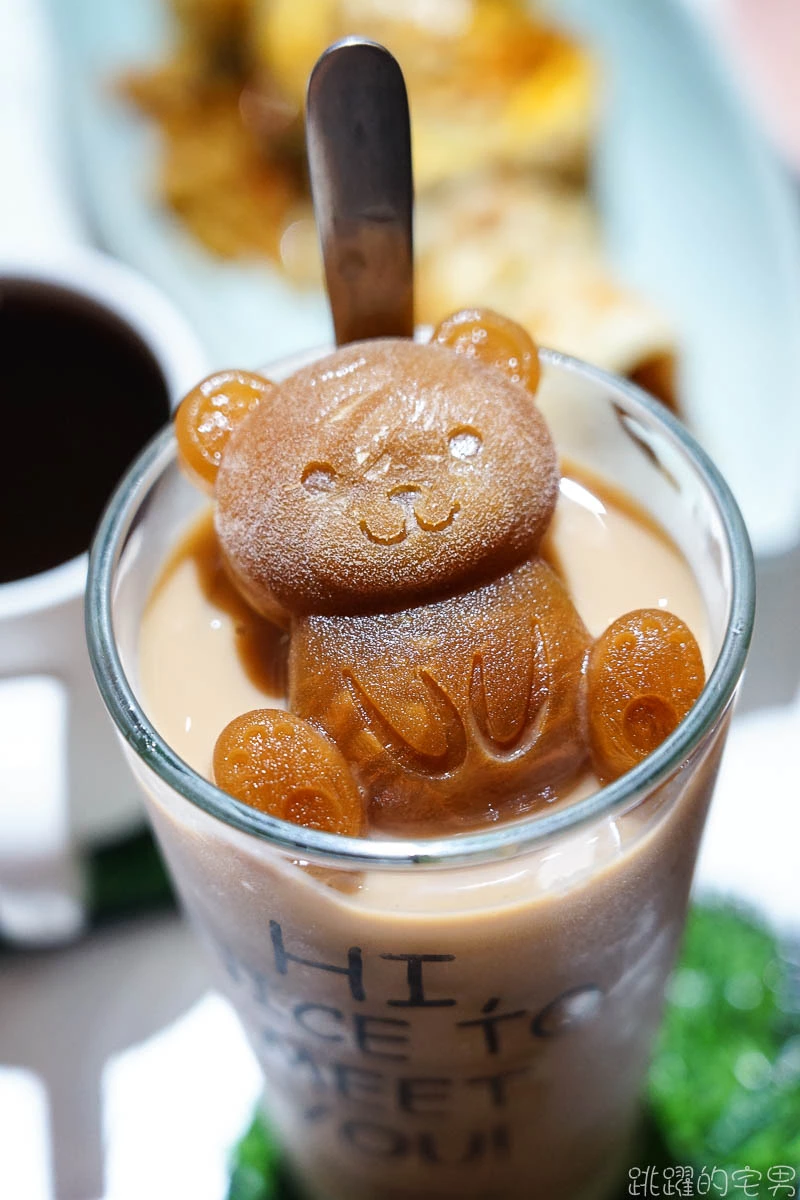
(466, 1032)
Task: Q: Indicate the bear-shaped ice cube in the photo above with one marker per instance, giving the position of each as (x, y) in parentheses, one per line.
(387, 505)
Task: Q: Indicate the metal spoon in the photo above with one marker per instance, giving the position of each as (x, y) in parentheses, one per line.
(359, 155)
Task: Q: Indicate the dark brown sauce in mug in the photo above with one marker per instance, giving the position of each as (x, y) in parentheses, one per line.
(81, 394)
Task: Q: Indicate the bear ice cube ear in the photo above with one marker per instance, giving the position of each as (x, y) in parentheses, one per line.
(493, 339)
(207, 417)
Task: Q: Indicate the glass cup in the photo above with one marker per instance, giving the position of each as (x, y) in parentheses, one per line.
(468, 1016)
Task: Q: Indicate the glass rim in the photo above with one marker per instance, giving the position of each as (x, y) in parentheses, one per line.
(504, 840)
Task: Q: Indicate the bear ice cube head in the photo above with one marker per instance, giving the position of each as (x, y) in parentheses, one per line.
(384, 476)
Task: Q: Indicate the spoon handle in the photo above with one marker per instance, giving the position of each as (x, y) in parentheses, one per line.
(359, 154)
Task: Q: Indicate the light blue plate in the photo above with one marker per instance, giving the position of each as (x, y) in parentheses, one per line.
(699, 217)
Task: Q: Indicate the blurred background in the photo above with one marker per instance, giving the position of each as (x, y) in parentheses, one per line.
(623, 178)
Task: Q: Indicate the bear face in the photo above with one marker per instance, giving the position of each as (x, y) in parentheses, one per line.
(381, 477)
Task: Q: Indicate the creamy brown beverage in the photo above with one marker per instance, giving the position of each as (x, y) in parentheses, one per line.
(474, 1033)
(459, 1001)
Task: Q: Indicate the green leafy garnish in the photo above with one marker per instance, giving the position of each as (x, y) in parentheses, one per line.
(725, 1081)
(255, 1165)
(125, 879)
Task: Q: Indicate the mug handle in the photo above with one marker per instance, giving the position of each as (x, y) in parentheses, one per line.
(41, 880)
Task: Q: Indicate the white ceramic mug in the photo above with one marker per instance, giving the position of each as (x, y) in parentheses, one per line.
(63, 782)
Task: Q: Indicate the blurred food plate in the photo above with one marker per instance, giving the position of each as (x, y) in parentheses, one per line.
(698, 217)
